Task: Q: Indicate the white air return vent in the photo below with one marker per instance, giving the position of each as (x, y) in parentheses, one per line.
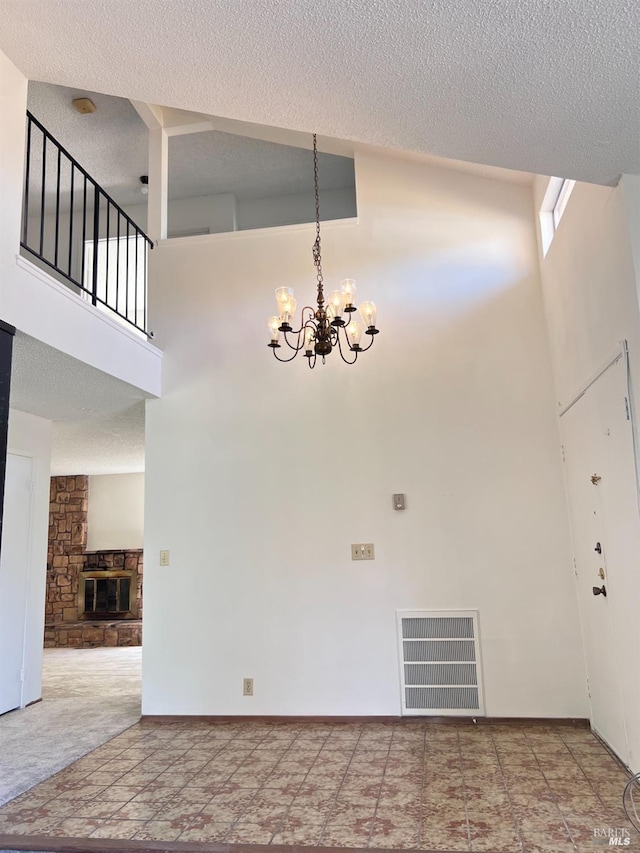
(440, 663)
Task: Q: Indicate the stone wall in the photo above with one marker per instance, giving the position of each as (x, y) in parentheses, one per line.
(69, 499)
(66, 559)
(88, 635)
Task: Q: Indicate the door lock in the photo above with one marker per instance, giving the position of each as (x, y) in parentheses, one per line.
(601, 573)
(598, 548)
(600, 590)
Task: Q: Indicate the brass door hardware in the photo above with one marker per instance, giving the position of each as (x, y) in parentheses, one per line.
(595, 479)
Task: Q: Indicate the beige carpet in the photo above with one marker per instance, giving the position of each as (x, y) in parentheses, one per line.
(89, 696)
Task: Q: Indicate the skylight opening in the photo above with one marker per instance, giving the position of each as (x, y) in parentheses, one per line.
(553, 207)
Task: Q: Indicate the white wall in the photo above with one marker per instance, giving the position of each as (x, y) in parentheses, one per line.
(219, 213)
(116, 511)
(31, 436)
(295, 208)
(260, 475)
(31, 300)
(630, 187)
(590, 285)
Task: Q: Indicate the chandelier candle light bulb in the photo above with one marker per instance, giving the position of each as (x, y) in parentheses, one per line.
(309, 340)
(348, 287)
(274, 329)
(322, 328)
(337, 302)
(368, 313)
(354, 332)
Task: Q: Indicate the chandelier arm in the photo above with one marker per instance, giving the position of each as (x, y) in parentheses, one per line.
(312, 314)
(285, 360)
(346, 360)
(364, 349)
(299, 345)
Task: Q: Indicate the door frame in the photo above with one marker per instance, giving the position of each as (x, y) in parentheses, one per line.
(620, 353)
(29, 568)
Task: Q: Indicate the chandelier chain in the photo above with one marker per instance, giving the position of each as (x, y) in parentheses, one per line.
(317, 258)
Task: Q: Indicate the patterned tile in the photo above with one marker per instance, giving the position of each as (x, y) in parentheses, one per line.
(117, 829)
(158, 830)
(409, 785)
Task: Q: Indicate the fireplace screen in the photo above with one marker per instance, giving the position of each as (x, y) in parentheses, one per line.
(106, 594)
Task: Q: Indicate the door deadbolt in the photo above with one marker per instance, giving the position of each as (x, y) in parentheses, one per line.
(601, 573)
(600, 590)
(598, 548)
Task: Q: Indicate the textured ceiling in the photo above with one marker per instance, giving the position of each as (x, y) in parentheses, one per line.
(98, 420)
(539, 86)
(112, 145)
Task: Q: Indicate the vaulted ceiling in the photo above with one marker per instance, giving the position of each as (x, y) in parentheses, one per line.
(539, 86)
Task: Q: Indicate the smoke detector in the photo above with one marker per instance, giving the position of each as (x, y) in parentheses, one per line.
(84, 105)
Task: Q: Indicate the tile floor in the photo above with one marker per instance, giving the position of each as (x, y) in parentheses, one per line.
(411, 784)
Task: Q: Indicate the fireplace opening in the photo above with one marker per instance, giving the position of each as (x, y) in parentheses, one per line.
(107, 596)
(107, 593)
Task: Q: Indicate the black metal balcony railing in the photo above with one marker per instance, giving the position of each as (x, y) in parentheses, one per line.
(74, 227)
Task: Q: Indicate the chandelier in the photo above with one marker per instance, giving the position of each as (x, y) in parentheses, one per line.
(322, 329)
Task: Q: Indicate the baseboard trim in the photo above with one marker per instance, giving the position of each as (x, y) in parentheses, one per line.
(578, 722)
(58, 844)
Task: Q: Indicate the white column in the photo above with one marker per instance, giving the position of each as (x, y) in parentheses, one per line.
(158, 184)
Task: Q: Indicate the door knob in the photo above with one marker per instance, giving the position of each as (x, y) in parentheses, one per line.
(600, 590)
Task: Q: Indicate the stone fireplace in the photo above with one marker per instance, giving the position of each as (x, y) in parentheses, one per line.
(93, 598)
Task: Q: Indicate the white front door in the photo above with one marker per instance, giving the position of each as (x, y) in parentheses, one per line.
(601, 482)
(14, 577)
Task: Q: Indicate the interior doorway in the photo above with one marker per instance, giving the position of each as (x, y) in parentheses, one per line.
(600, 465)
(14, 578)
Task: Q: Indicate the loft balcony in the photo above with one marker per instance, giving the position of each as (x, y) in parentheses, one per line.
(77, 231)
(92, 259)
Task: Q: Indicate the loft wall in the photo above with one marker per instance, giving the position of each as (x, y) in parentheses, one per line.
(260, 475)
(116, 511)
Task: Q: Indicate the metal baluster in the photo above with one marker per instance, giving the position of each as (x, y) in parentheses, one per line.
(118, 264)
(71, 219)
(106, 283)
(96, 235)
(126, 282)
(27, 175)
(144, 284)
(55, 252)
(135, 301)
(84, 232)
(44, 180)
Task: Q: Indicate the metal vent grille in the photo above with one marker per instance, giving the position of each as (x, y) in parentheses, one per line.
(439, 655)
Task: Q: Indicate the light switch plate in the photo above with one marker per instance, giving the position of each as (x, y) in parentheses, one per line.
(363, 551)
(399, 501)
